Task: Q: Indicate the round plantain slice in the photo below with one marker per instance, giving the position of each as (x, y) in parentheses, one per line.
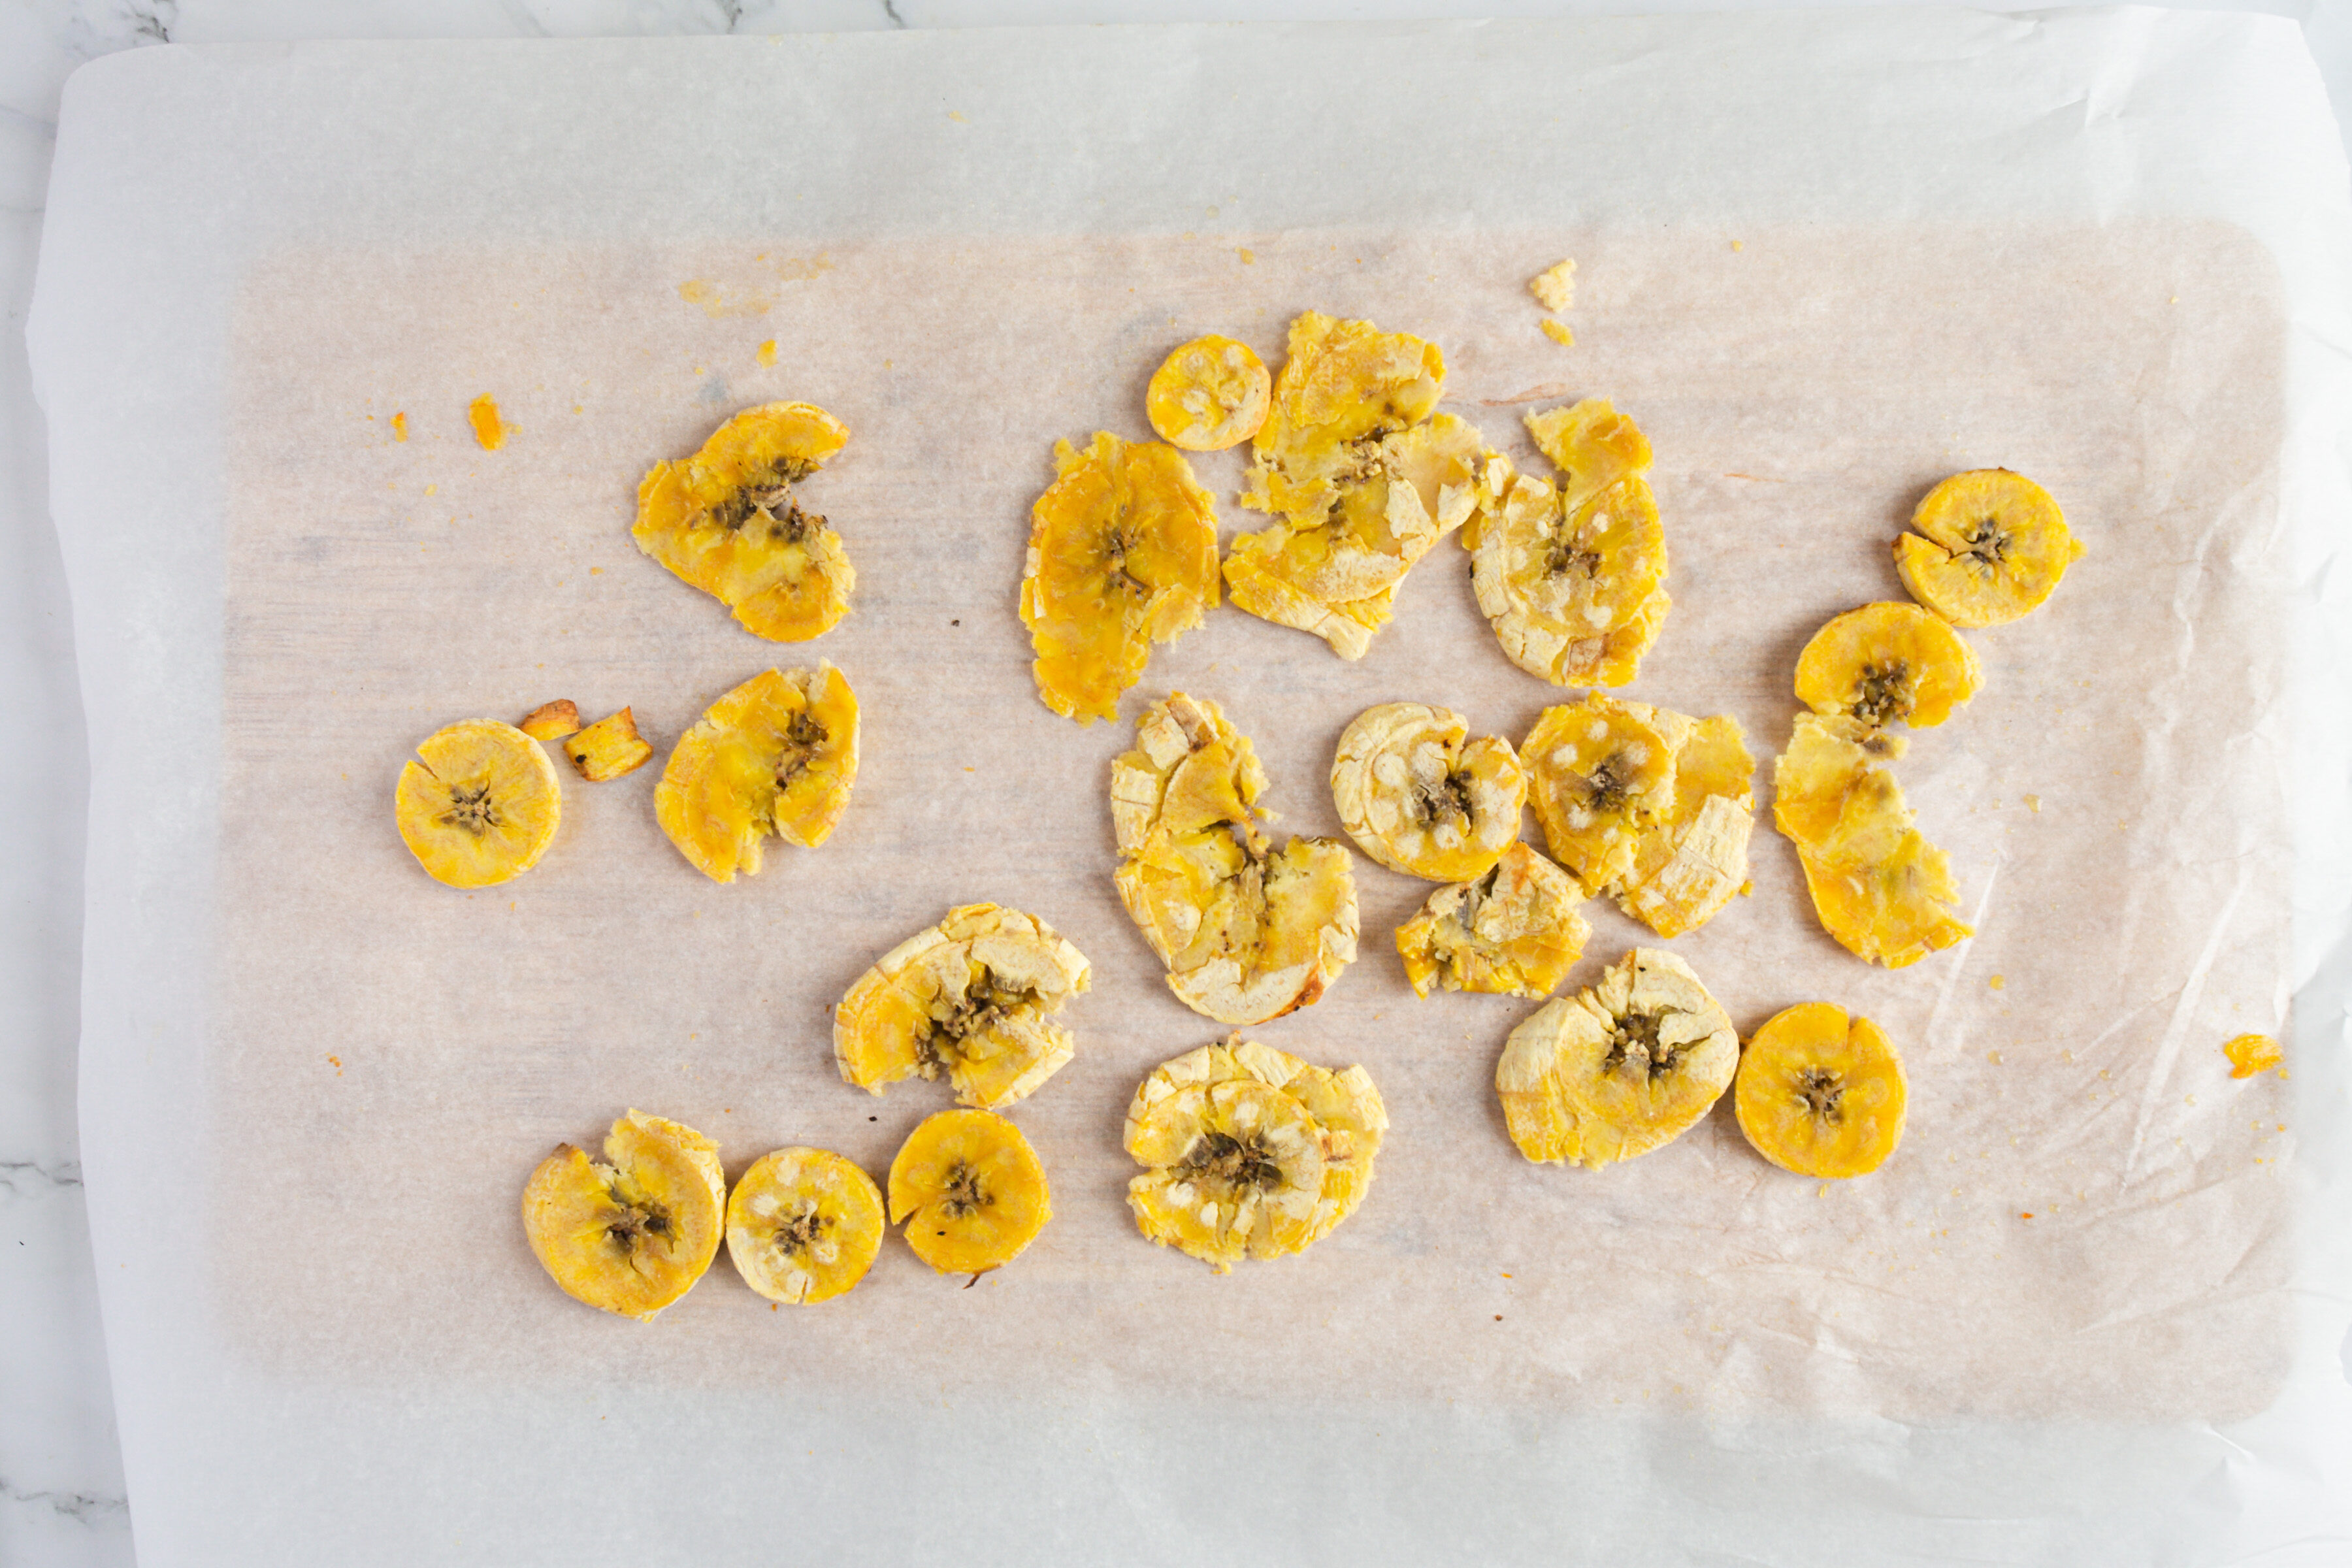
(1600, 773)
(1991, 546)
(1211, 394)
(1122, 555)
(1888, 663)
(479, 805)
(1247, 932)
(1419, 797)
(1517, 929)
(726, 520)
(630, 1233)
(776, 755)
(1249, 1151)
(969, 1191)
(803, 1225)
(1619, 1068)
(971, 997)
(1820, 1093)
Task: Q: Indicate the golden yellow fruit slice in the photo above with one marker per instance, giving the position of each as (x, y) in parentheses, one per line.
(1991, 546)
(1248, 932)
(726, 520)
(1600, 773)
(632, 1232)
(551, 721)
(969, 1191)
(1820, 1093)
(1574, 595)
(480, 804)
(1122, 555)
(1886, 663)
(971, 997)
(1420, 797)
(2252, 1054)
(1688, 866)
(1364, 481)
(1249, 1151)
(608, 748)
(1517, 929)
(1619, 1068)
(1881, 889)
(777, 754)
(803, 1225)
(1209, 394)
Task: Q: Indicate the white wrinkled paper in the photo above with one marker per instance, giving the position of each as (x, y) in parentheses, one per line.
(314, 1081)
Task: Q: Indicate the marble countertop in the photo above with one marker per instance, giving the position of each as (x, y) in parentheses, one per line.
(61, 1491)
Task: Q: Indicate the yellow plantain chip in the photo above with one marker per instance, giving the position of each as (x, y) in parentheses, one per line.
(1820, 1093)
(479, 804)
(608, 748)
(1688, 865)
(1516, 930)
(804, 1226)
(1881, 889)
(1211, 394)
(776, 755)
(1886, 663)
(969, 1191)
(1420, 797)
(1991, 546)
(971, 997)
(630, 1233)
(1601, 774)
(727, 521)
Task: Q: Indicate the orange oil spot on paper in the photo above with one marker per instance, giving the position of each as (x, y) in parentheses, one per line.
(483, 413)
(338, 1062)
(400, 426)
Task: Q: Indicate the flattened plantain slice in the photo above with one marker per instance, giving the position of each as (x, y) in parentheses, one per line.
(1600, 773)
(1247, 932)
(726, 520)
(1421, 798)
(480, 804)
(970, 1190)
(777, 754)
(1886, 663)
(1820, 1094)
(804, 1226)
(1686, 867)
(633, 1232)
(1621, 1068)
(1208, 394)
(971, 997)
(1517, 929)
(1991, 546)
(1881, 889)
(1122, 555)
(1250, 1152)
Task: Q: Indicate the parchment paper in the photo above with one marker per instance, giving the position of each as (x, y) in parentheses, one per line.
(2089, 1222)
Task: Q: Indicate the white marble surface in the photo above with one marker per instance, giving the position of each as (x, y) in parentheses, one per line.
(61, 1491)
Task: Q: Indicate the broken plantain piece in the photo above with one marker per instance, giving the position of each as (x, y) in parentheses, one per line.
(1211, 394)
(1600, 773)
(632, 1232)
(551, 721)
(777, 754)
(1249, 1151)
(1619, 1068)
(1820, 1093)
(1881, 889)
(1248, 932)
(2252, 1054)
(969, 997)
(969, 1191)
(803, 1225)
(1364, 480)
(1886, 663)
(726, 520)
(1420, 798)
(1688, 866)
(1991, 546)
(480, 804)
(1571, 576)
(1122, 555)
(1516, 930)
(608, 748)
(1555, 287)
